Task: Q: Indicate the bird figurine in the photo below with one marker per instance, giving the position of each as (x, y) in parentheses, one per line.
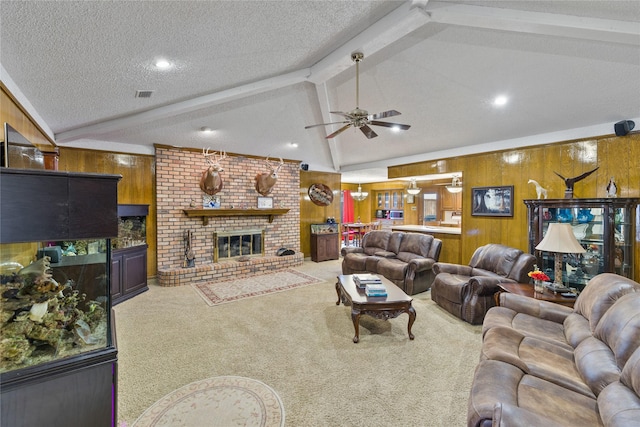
(569, 182)
(612, 189)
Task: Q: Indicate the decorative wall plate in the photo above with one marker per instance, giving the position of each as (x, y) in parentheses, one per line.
(320, 194)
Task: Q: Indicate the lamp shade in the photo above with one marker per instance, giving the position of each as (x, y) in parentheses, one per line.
(560, 239)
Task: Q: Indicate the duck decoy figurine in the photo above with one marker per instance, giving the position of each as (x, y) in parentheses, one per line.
(569, 182)
(612, 189)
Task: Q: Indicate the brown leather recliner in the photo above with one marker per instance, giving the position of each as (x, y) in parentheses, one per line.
(467, 291)
(544, 364)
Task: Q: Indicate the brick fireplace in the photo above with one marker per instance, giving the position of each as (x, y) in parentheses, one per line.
(178, 172)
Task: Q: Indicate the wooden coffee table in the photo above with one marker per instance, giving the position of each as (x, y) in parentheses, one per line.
(394, 304)
(526, 289)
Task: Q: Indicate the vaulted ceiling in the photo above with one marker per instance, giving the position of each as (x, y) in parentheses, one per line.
(258, 72)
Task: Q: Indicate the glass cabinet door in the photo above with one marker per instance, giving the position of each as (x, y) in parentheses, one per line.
(604, 228)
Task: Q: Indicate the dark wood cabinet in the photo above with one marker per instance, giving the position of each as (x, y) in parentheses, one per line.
(325, 246)
(605, 228)
(67, 375)
(129, 255)
(49, 205)
(128, 273)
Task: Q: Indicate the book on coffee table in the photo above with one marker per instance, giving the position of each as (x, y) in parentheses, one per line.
(362, 280)
(375, 290)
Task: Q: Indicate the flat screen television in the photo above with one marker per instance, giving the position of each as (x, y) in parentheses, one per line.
(18, 152)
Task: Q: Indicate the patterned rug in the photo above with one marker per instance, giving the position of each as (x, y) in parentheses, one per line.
(218, 401)
(233, 290)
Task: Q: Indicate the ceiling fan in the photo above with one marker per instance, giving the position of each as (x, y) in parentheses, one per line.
(360, 118)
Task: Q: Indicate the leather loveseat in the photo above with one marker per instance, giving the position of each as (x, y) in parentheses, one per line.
(543, 364)
(406, 259)
(467, 291)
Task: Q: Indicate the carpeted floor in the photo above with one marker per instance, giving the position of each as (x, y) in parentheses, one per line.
(298, 342)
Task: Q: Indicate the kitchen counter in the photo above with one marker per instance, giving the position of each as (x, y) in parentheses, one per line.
(427, 229)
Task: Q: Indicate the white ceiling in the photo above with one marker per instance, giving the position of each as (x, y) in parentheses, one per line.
(258, 72)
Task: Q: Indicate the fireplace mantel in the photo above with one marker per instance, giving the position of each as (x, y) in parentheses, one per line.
(206, 213)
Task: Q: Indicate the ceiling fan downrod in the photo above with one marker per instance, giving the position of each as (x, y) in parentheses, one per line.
(357, 57)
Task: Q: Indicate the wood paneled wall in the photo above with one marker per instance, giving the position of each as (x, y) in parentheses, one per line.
(137, 185)
(311, 213)
(11, 112)
(614, 156)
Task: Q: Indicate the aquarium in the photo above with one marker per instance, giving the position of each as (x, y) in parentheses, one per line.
(132, 226)
(55, 301)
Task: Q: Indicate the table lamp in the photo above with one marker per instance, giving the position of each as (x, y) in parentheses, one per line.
(560, 240)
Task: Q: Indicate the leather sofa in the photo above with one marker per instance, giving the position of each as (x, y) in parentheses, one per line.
(546, 364)
(406, 259)
(467, 291)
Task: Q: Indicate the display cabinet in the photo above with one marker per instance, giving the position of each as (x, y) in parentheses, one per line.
(604, 227)
(325, 242)
(129, 255)
(389, 199)
(58, 359)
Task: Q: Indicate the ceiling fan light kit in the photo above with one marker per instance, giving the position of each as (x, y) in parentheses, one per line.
(359, 118)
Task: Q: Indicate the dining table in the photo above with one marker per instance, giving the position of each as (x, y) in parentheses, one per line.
(353, 232)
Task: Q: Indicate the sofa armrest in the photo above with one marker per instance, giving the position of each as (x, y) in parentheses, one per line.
(445, 267)
(505, 415)
(542, 309)
(421, 264)
(351, 250)
(485, 285)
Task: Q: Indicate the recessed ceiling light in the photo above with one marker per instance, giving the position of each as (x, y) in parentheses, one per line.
(206, 129)
(163, 64)
(293, 144)
(500, 101)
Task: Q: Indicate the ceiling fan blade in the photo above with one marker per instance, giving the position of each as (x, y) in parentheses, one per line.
(323, 124)
(390, 125)
(384, 114)
(368, 132)
(342, 129)
(341, 113)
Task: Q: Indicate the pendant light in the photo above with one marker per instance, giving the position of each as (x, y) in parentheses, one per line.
(456, 185)
(413, 189)
(359, 195)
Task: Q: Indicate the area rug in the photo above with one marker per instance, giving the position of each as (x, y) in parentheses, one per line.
(218, 401)
(215, 293)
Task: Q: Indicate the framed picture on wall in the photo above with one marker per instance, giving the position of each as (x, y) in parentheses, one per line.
(492, 201)
(211, 202)
(265, 202)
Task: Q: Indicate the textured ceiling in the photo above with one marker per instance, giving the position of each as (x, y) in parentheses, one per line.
(258, 72)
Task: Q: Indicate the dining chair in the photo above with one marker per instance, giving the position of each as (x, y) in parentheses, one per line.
(347, 234)
(364, 229)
